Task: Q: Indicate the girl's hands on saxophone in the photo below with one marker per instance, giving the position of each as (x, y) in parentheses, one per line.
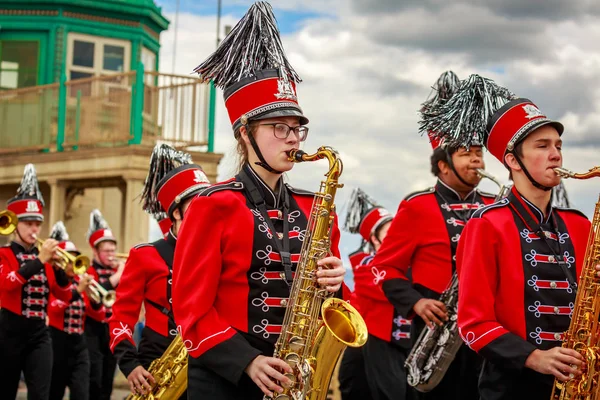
(331, 273)
(563, 363)
(264, 372)
(139, 380)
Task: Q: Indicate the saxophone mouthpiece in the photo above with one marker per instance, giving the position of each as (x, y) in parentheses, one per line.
(296, 155)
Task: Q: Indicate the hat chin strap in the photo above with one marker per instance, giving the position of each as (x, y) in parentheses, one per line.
(528, 175)
(263, 163)
(451, 164)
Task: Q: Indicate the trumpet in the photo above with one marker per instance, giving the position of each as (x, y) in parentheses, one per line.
(8, 224)
(99, 294)
(122, 255)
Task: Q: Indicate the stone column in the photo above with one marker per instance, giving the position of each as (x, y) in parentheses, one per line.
(135, 220)
(57, 205)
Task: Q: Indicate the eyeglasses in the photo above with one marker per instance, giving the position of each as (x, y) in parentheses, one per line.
(282, 131)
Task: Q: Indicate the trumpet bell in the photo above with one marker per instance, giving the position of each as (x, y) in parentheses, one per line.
(8, 222)
(109, 298)
(81, 265)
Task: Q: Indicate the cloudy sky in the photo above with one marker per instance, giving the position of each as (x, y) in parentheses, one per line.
(366, 66)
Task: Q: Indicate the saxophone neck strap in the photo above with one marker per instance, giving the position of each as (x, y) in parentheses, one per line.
(282, 244)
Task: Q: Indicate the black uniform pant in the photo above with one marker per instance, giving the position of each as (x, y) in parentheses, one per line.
(25, 346)
(384, 370)
(352, 377)
(207, 385)
(102, 361)
(71, 367)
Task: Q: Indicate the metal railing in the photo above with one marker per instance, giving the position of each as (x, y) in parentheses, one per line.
(28, 118)
(106, 111)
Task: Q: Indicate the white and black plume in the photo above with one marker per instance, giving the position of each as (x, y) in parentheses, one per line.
(358, 204)
(97, 222)
(252, 45)
(59, 232)
(163, 160)
(29, 187)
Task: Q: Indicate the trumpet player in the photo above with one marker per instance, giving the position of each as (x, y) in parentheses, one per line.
(107, 272)
(519, 260)
(424, 236)
(26, 281)
(171, 184)
(71, 366)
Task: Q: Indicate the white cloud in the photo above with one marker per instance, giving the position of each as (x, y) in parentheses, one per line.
(362, 95)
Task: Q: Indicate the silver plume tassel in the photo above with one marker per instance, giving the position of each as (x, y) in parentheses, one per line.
(358, 204)
(462, 120)
(252, 45)
(29, 184)
(163, 160)
(446, 85)
(59, 232)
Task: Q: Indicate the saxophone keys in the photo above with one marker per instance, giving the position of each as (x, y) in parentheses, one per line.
(296, 343)
(292, 383)
(292, 359)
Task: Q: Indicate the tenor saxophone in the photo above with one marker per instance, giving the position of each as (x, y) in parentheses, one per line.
(435, 348)
(583, 334)
(317, 327)
(169, 372)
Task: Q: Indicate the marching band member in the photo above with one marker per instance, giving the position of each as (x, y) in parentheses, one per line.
(389, 341)
(423, 236)
(26, 280)
(171, 183)
(71, 366)
(240, 241)
(102, 361)
(519, 260)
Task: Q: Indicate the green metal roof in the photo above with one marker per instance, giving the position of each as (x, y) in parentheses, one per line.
(127, 8)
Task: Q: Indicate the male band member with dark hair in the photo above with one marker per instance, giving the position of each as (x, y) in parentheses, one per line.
(240, 241)
(519, 260)
(171, 184)
(102, 361)
(379, 364)
(71, 366)
(423, 236)
(26, 280)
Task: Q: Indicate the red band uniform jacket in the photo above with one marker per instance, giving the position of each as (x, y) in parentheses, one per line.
(146, 280)
(382, 319)
(26, 283)
(69, 316)
(514, 295)
(229, 287)
(423, 236)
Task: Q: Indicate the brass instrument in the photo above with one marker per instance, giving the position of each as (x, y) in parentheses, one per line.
(316, 327)
(121, 255)
(435, 349)
(8, 224)
(170, 373)
(98, 294)
(583, 333)
(504, 189)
